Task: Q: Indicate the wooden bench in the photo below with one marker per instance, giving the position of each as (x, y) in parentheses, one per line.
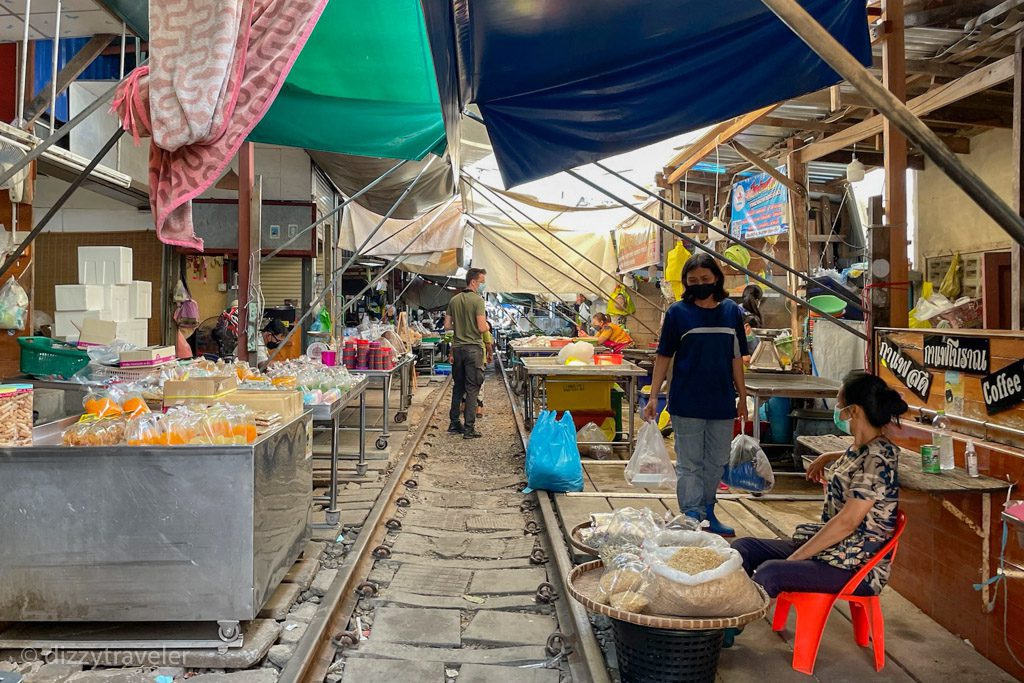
(912, 478)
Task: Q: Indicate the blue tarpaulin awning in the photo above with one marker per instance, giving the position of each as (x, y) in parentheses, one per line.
(562, 84)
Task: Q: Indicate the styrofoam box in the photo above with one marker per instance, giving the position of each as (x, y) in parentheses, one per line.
(140, 299)
(134, 331)
(104, 265)
(79, 297)
(66, 324)
(116, 303)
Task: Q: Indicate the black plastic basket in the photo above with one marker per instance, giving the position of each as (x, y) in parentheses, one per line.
(653, 655)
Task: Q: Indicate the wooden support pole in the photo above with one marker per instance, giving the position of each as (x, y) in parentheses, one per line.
(718, 135)
(798, 244)
(246, 180)
(768, 168)
(894, 77)
(1016, 250)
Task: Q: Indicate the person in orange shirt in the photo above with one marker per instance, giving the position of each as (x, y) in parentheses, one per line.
(609, 334)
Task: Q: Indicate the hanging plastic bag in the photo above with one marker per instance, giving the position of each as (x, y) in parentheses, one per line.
(748, 468)
(590, 435)
(674, 262)
(552, 458)
(620, 302)
(953, 282)
(650, 465)
(13, 306)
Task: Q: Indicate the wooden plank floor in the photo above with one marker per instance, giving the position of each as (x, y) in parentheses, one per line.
(917, 648)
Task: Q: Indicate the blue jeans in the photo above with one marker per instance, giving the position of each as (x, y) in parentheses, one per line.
(702, 452)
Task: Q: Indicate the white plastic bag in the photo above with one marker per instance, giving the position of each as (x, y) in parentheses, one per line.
(682, 538)
(725, 591)
(650, 465)
(589, 435)
(13, 305)
(580, 351)
(749, 468)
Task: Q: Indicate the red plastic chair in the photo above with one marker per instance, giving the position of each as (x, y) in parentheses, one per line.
(813, 609)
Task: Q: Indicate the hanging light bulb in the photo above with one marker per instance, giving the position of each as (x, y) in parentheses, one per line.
(855, 169)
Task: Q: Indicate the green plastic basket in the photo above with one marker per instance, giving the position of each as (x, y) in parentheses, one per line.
(43, 357)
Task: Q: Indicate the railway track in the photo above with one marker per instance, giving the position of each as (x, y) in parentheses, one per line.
(459, 574)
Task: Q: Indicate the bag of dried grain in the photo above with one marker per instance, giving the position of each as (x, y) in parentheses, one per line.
(700, 581)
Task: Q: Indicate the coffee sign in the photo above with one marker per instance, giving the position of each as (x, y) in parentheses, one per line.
(1003, 389)
(912, 374)
(962, 354)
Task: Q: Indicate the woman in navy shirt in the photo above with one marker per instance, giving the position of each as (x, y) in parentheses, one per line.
(704, 334)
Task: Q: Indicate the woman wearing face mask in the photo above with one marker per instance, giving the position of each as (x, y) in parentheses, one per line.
(609, 334)
(861, 502)
(704, 338)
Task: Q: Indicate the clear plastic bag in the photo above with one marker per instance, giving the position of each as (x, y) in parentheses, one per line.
(591, 433)
(625, 530)
(13, 306)
(650, 465)
(627, 583)
(749, 468)
(701, 581)
(683, 538)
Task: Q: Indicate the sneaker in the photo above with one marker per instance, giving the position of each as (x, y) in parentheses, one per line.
(471, 433)
(455, 428)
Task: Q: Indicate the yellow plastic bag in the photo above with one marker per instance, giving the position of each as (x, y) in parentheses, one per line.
(953, 282)
(674, 262)
(620, 302)
(664, 420)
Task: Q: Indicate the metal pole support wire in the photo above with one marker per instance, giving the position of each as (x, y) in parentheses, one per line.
(829, 49)
(473, 181)
(341, 271)
(57, 135)
(341, 206)
(75, 184)
(846, 296)
(694, 244)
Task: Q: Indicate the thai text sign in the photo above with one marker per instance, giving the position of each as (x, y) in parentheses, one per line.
(760, 206)
(912, 374)
(964, 354)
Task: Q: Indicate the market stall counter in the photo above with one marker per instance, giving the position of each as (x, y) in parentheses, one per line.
(764, 385)
(403, 369)
(545, 374)
(327, 417)
(152, 533)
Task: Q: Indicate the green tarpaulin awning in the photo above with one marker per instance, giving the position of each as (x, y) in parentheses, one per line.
(364, 84)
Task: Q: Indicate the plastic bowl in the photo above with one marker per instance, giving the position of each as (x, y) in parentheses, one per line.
(827, 303)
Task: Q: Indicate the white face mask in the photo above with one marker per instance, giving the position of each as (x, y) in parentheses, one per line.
(482, 288)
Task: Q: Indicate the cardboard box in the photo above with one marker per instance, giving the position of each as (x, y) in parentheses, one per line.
(134, 332)
(68, 324)
(79, 297)
(140, 299)
(147, 356)
(199, 390)
(104, 265)
(285, 402)
(116, 299)
(96, 332)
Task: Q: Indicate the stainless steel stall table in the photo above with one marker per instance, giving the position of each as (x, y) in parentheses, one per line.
(327, 417)
(151, 533)
(403, 369)
(762, 385)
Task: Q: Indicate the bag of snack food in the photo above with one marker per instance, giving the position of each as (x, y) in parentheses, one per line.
(626, 583)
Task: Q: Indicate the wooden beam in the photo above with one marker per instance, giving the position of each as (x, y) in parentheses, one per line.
(753, 158)
(937, 98)
(72, 70)
(869, 158)
(703, 146)
(799, 124)
(928, 67)
(1017, 152)
(894, 77)
(798, 245)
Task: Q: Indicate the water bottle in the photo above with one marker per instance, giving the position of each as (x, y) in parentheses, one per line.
(943, 440)
(971, 459)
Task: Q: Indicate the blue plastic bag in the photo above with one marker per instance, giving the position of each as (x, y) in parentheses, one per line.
(552, 457)
(748, 467)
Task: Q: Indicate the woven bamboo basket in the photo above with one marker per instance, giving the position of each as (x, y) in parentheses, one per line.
(582, 583)
(575, 539)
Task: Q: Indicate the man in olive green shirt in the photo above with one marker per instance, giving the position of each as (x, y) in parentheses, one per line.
(467, 319)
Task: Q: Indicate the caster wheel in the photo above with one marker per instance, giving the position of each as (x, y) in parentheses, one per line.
(227, 633)
(381, 444)
(401, 417)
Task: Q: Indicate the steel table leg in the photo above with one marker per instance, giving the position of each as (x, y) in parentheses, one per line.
(756, 417)
(361, 465)
(632, 413)
(333, 515)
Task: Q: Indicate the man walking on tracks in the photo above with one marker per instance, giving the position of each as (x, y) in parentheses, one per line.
(467, 318)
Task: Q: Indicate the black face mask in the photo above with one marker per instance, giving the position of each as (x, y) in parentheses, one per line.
(273, 344)
(701, 292)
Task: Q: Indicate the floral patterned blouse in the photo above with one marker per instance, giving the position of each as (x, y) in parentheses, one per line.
(867, 473)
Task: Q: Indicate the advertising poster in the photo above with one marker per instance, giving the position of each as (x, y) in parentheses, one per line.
(639, 245)
(760, 207)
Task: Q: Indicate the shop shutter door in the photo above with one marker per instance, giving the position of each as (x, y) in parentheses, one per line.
(281, 279)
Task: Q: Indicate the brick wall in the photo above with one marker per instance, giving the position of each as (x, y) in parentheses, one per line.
(647, 316)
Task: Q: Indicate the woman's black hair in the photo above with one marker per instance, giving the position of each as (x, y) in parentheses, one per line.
(603, 317)
(880, 403)
(703, 260)
(751, 301)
